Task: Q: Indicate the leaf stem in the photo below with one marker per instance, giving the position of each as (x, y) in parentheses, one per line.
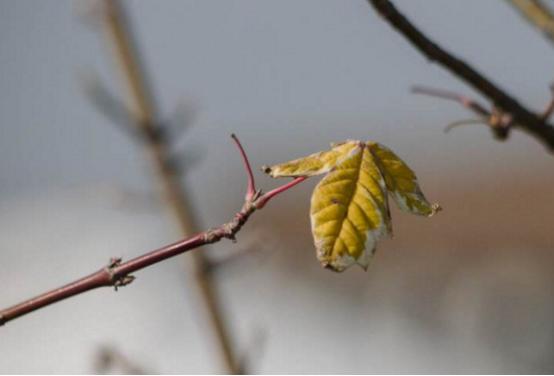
(260, 203)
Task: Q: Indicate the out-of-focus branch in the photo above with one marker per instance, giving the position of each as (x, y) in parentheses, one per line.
(537, 14)
(522, 117)
(111, 107)
(467, 102)
(144, 110)
(229, 260)
(110, 358)
(118, 273)
(498, 121)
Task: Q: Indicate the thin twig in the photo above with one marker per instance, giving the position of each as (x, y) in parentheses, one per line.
(251, 185)
(537, 14)
(269, 195)
(144, 109)
(522, 117)
(459, 123)
(467, 102)
(498, 122)
(118, 273)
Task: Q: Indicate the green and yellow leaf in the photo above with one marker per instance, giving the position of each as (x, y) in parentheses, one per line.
(401, 182)
(315, 164)
(349, 207)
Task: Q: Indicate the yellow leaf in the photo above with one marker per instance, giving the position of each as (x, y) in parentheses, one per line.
(349, 207)
(401, 182)
(315, 164)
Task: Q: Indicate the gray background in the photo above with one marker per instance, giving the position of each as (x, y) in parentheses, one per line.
(467, 291)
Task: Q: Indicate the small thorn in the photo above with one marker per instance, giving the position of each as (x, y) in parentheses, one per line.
(114, 261)
(123, 281)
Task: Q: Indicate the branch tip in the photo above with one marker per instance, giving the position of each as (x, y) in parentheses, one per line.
(251, 187)
(456, 124)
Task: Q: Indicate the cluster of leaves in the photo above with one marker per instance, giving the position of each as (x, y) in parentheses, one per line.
(349, 206)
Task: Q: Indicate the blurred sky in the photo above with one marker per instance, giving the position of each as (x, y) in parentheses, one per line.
(288, 77)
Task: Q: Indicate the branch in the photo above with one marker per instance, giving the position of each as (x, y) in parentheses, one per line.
(498, 121)
(251, 185)
(537, 14)
(110, 359)
(467, 102)
(118, 273)
(144, 109)
(550, 106)
(109, 106)
(522, 117)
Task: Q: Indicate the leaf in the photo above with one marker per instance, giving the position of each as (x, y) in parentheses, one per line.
(401, 182)
(315, 164)
(349, 206)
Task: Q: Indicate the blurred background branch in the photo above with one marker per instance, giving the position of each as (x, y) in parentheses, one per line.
(468, 292)
(143, 107)
(110, 359)
(537, 14)
(499, 122)
(519, 116)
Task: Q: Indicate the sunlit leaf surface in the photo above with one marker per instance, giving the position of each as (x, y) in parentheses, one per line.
(349, 207)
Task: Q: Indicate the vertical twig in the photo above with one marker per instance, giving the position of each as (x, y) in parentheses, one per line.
(143, 108)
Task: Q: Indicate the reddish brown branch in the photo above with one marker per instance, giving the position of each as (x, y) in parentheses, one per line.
(153, 133)
(118, 273)
(115, 274)
(251, 184)
(269, 195)
(523, 118)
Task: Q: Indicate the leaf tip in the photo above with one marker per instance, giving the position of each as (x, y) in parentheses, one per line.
(435, 208)
(332, 267)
